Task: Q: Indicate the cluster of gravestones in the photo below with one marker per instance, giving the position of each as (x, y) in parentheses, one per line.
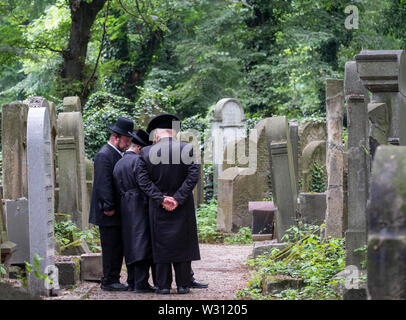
(365, 200)
(44, 170)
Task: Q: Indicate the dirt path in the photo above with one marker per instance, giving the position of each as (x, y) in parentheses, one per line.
(221, 267)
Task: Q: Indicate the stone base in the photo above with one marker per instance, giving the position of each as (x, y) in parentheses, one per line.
(91, 267)
(69, 271)
(278, 283)
(264, 247)
(8, 292)
(262, 237)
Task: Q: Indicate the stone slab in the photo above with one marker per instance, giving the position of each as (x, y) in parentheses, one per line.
(91, 267)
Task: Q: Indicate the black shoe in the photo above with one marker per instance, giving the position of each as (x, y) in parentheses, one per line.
(148, 289)
(163, 291)
(130, 288)
(199, 285)
(183, 290)
(114, 287)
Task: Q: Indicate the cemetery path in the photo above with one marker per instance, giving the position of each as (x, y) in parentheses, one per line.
(221, 266)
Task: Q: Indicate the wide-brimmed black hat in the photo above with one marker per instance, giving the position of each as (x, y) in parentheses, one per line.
(162, 121)
(141, 137)
(123, 126)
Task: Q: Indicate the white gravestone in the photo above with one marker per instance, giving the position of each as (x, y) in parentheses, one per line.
(40, 195)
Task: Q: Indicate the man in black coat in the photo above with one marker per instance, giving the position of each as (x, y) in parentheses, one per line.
(104, 207)
(167, 174)
(134, 217)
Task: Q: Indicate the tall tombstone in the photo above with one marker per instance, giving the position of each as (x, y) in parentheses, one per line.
(383, 72)
(294, 139)
(72, 168)
(335, 160)
(228, 124)
(283, 174)
(14, 143)
(356, 97)
(386, 258)
(40, 195)
(72, 104)
(89, 179)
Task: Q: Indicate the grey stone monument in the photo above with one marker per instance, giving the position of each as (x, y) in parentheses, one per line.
(283, 174)
(383, 72)
(72, 169)
(386, 261)
(356, 97)
(335, 160)
(228, 124)
(72, 104)
(40, 195)
(17, 218)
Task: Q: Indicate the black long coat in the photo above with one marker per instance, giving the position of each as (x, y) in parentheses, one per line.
(133, 209)
(104, 195)
(174, 233)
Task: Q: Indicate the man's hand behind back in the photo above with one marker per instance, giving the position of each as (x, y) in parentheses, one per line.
(169, 203)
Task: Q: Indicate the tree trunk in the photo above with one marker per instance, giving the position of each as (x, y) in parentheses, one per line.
(83, 15)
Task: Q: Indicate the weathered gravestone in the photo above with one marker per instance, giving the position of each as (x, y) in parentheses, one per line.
(312, 149)
(386, 262)
(228, 124)
(72, 104)
(335, 160)
(89, 179)
(356, 97)
(14, 146)
(73, 195)
(263, 213)
(283, 174)
(7, 247)
(383, 72)
(40, 196)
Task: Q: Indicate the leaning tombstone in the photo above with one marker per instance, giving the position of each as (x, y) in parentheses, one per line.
(283, 174)
(40, 198)
(386, 263)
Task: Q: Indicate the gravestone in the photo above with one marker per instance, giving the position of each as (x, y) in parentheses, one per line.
(194, 138)
(283, 174)
(236, 154)
(386, 261)
(18, 228)
(73, 196)
(356, 97)
(335, 160)
(7, 247)
(40, 195)
(294, 139)
(379, 125)
(14, 151)
(72, 104)
(312, 148)
(383, 72)
(228, 124)
(312, 207)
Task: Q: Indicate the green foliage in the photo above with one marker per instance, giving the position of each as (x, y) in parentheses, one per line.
(206, 216)
(66, 233)
(208, 182)
(2, 270)
(34, 268)
(313, 259)
(101, 110)
(319, 179)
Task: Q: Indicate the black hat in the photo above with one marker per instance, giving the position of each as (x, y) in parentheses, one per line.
(141, 138)
(162, 121)
(123, 126)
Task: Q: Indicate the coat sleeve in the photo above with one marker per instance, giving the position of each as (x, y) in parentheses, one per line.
(145, 182)
(104, 184)
(192, 177)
